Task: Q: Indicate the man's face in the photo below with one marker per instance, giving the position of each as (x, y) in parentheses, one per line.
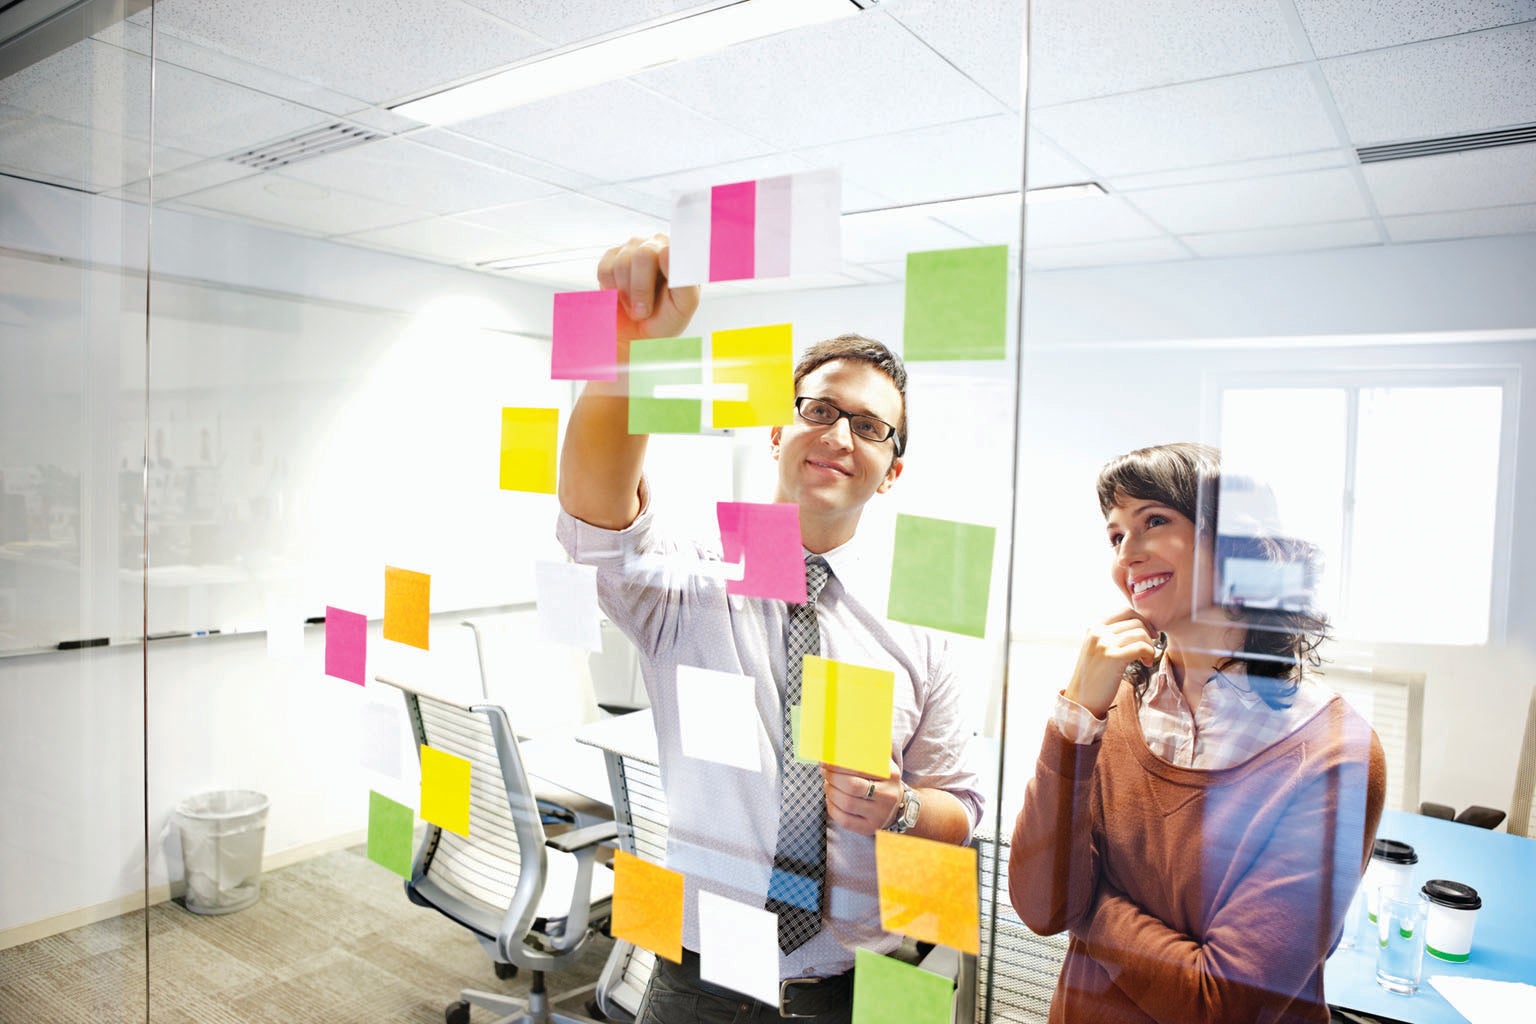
(830, 471)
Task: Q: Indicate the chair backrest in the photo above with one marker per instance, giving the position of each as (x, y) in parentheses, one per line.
(491, 880)
(1393, 702)
(1522, 808)
(640, 808)
(1020, 966)
(516, 664)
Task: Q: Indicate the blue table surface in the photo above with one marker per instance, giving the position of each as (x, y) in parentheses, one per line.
(1501, 867)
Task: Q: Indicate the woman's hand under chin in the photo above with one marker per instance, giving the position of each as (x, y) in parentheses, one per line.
(1108, 650)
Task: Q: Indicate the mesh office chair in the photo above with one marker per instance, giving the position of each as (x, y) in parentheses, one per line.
(1020, 967)
(530, 899)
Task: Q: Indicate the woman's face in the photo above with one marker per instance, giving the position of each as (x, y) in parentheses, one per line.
(1154, 562)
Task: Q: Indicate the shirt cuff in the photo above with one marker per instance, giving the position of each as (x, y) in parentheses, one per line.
(1076, 722)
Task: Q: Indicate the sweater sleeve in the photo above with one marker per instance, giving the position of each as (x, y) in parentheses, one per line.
(1267, 942)
(1053, 863)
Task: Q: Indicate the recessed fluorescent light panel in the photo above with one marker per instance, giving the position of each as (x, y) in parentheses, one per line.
(622, 55)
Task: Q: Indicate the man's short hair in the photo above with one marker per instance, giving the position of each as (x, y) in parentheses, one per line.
(857, 348)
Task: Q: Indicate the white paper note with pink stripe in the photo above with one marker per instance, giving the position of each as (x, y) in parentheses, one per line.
(785, 226)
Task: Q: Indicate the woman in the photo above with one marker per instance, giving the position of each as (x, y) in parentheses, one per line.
(1201, 809)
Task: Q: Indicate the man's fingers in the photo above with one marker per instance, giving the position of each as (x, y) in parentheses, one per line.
(641, 289)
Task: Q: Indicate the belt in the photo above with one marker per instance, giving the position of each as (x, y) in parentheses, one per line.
(798, 997)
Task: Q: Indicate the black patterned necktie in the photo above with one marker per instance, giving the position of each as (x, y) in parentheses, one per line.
(797, 891)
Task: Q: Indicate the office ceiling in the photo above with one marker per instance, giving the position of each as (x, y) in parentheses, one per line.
(1217, 129)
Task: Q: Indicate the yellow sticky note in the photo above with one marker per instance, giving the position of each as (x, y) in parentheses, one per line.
(445, 790)
(529, 441)
(762, 358)
(407, 606)
(648, 906)
(928, 890)
(845, 716)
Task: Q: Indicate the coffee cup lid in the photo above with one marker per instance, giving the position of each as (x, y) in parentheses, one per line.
(1394, 852)
(1455, 895)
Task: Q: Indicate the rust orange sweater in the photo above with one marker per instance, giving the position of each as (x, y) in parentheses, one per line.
(1196, 895)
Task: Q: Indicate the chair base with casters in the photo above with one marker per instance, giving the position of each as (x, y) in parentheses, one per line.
(530, 899)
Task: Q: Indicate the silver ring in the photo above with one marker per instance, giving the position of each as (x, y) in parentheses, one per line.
(871, 794)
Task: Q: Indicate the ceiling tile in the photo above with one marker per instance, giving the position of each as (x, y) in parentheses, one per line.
(1294, 164)
(860, 76)
(1297, 238)
(1243, 117)
(987, 220)
(1084, 221)
(91, 84)
(983, 38)
(1453, 181)
(72, 156)
(890, 234)
(450, 141)
(1315, 197)
(570, 220)
(378, 51)
(1499, 220)
(1336, 28)
(942, 162)
(1112, 46)
(1149, 250)
(1444, 87)
(265, 198)
(615, 132)
(451, 240)
(570, 21)
(1046, 165)
(209, 116)
(666, 186)
(402, 172)
(195, 178)
(570, 275)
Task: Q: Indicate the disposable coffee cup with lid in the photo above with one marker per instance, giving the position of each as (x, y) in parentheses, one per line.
(1391, 864)
(1453, 908)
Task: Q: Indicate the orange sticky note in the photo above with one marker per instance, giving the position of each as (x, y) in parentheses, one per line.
(762, 358)
(529, 441)
(648, 906)
(928, 890)
(845, 715)
(445, 790)
(407, 606)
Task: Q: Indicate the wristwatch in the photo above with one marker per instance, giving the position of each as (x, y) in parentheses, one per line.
(906, 814)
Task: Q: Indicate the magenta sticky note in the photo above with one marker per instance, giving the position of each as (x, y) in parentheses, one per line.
(346, 645)
(586, 332)
(766, 539)
(732, 222)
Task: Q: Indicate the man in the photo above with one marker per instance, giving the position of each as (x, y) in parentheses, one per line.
(738, 834)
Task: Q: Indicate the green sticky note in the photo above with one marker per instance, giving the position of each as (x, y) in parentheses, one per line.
(885, 990)
(389, 833)
(663, 363)
(956, 304)
(794, 736)
(942, 574)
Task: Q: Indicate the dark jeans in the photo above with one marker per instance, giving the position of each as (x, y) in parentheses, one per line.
(677, 995)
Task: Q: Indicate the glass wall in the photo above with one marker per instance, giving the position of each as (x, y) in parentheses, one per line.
(312, 415)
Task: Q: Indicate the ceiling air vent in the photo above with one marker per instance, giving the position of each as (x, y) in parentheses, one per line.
(1448, 144)
(305, 146)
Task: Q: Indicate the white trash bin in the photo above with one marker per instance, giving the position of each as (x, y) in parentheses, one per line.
(221, 839)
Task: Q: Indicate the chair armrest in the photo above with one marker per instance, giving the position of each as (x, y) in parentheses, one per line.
(1434, 810)
(581, 838)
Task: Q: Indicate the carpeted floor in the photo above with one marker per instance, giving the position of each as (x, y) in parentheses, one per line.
(333, 940)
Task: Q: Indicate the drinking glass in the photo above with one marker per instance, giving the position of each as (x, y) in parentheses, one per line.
(1400, 916)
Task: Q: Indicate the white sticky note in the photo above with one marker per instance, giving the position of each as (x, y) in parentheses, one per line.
(717, 714)
(284, 617)
(816, 223)
(381, 738)
(567, 599)
(689, 259)
(739, 947)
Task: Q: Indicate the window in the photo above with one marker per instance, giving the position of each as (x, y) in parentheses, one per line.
(1401, 479)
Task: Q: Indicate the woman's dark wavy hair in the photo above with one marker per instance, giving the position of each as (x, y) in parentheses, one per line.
(1277, 644)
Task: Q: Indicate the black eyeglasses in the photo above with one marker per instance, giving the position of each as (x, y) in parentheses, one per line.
(823, 413)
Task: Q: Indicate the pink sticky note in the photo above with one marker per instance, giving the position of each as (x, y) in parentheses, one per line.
(585, 336)
(766, 538)
(346, 645)
(771, 242)
(733, 215)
